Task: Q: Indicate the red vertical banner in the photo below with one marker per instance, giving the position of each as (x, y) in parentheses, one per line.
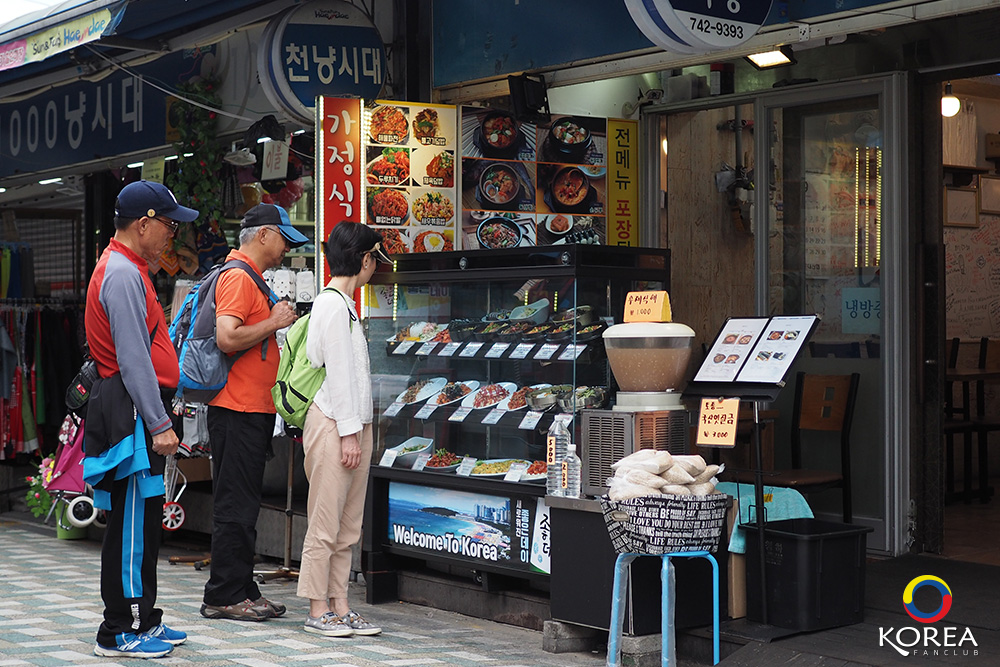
(339, 196)
(623, 182)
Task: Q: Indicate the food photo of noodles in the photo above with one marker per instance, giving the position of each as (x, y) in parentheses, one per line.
(395, 241)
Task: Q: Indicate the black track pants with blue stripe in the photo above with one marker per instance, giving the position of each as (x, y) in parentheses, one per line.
(128, 562)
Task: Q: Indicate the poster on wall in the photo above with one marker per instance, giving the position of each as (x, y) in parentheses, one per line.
(410, 185)
(480, 528)
(526, 184)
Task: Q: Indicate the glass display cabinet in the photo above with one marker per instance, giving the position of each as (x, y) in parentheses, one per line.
(457, 340)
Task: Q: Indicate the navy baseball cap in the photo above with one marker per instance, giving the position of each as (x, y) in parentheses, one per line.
(149, 199)
(269, 214)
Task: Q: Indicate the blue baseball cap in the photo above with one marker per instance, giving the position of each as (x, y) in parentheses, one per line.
(269, 214)
(149, 199)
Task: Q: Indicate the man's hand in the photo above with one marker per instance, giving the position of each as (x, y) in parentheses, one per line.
(282, 314)
(350, 449)
(165, 444)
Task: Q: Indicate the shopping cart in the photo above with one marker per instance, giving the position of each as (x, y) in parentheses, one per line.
(173, 512)
(66, 485)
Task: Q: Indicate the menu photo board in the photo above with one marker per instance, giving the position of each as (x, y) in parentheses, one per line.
(410, 152)
(526, 184)
(757, 350)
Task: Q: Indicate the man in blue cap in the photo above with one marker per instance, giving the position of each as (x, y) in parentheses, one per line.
(129, 428)
(241, 416)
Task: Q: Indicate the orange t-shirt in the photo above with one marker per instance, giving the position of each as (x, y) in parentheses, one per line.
(248, 388)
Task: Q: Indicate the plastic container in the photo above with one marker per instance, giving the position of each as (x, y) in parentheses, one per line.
(815, 573)
(556, 446)
(570, 472)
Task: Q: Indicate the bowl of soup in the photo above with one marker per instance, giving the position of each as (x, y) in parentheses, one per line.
(649, 356)
(499, 185)
(499, 133)
(569, 188)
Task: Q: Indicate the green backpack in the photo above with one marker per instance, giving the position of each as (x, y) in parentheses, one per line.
(297, 381)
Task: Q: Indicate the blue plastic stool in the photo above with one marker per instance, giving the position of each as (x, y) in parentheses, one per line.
(618, 611)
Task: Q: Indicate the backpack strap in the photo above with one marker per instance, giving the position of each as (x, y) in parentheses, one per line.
(272, 298)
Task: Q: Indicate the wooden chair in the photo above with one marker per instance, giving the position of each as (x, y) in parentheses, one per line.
(823, 403)
(851, 350)
(957, 420)
(983, 425)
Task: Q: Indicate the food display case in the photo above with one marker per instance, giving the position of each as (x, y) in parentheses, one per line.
(473, 354)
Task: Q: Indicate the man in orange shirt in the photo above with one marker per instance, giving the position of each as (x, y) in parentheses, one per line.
(241, 416)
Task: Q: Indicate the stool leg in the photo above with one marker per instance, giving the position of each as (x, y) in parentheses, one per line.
(618, 608)
(715, 607)
(666, 625)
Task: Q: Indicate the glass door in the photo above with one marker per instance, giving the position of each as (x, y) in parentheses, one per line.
(833, 185)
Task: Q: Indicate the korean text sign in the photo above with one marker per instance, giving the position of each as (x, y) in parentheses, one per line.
(339, 149)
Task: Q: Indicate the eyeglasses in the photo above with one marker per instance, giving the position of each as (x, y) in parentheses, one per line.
(172, 225)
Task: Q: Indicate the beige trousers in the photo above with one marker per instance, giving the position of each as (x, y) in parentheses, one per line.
(335, 508)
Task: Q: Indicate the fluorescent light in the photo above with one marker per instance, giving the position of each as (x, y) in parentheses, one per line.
(169, 158)
(298, 132)
(189, 155)
(263, 140)
(780, 56)
(3, 190)
(134, 165)
(663, 144)
(950, 105)
(50, 181)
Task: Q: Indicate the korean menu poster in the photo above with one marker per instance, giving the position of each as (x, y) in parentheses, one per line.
(755, 349)
(526, 184)
(409, 181)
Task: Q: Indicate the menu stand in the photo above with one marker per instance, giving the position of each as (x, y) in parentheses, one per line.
(754, 393)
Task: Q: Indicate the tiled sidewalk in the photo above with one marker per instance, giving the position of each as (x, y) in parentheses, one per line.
(50, 607)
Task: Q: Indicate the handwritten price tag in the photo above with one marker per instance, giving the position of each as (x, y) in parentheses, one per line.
(426, 410)
(421, 461)
(426, 349)
(546, 351)
(530, 420)
(647, 307)
(393, 409)
(497, 350)
(522, 350)
(404, 347)
(717, 422)
(449, 349)
(388, 458)
(466, 466)
(494, 416)
(460, 414)
(471, 349)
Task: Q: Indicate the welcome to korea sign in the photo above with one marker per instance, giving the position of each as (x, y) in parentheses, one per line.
(324, 47)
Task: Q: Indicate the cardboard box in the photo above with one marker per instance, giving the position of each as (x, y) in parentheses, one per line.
(992, 146)
(197, 469)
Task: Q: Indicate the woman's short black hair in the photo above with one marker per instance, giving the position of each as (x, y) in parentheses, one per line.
(346, 247)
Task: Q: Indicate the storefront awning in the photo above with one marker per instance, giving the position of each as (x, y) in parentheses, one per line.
(39, 35)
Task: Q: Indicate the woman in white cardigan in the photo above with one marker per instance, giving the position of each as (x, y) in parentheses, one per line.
(337, 436)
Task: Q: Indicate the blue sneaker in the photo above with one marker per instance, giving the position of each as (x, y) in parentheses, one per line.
(169, 635)
(129, 645)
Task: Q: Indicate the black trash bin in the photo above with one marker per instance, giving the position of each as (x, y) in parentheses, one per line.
(815, 573)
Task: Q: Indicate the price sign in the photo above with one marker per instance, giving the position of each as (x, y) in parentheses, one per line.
(426, 349)
(530, 420)
(566, 417)
(717, 422)
(421, 461)
(647, 307)
(388, 458)
(393, 409)
(470, 349)
(403, 347)
(546, 351)
(516, 471)
(465, 467)
(460, 414)
(522, 350)
(497, 350)
(275, 163)
(494, 416)
(572, 352)
(426, 410)
(449, 349)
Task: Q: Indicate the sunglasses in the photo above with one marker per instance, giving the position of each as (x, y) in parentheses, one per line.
(172, 225)
(375, 253)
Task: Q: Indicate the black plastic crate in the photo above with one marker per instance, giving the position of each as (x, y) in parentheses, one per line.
(815, 573)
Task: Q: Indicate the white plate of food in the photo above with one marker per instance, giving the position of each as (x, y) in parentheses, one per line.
(518, 399)
(559, 223)
(443, 456)
(455, 391)
(536, 472)
(409, 450)
(489, 396)
(494, 467)
(421, 391)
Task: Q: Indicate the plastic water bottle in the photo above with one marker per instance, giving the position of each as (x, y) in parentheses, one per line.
(556, 444)
(570, 473)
